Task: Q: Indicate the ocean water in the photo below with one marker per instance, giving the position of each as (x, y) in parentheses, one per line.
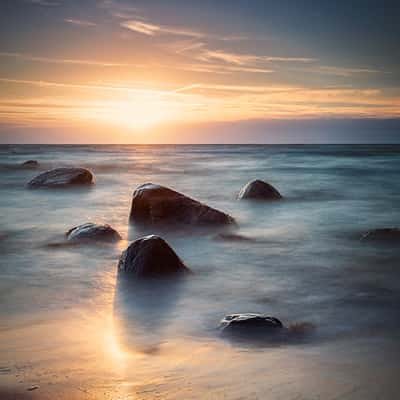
(69, 328)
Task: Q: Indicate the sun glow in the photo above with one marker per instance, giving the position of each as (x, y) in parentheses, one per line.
(139, 113)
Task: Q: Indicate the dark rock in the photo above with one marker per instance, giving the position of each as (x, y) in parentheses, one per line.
(30, 164)
(251, 325)
(261, 330)
(61, 177)
(383, 235)
(151, 257)
(93, 232)
(259, 190)
(155, 204)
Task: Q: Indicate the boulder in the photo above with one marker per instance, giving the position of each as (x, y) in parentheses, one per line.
(93, 232)
(151, 257)
(155, 204)
(259, 190)
(30, 164)
(251, 325)
(61, 177)
(383, 235)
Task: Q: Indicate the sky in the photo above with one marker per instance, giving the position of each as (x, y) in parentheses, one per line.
(157, 71)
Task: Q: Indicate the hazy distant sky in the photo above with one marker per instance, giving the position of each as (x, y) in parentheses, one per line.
(145, 71)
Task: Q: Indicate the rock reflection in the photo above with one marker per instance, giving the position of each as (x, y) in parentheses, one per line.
(144, 310)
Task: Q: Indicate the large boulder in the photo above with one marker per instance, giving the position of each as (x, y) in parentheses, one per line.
(259, 190)
(382, 235)
(93, 232)
(151, 257)
(61, 177)
(250, 325)
(155, 204)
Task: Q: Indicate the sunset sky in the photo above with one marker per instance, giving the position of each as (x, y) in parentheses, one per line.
(183, 71)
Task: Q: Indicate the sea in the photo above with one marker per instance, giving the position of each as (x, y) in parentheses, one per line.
(69, 329)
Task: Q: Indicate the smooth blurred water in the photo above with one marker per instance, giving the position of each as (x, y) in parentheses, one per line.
(305, 262)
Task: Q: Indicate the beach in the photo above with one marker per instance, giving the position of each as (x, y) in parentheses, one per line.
(71, 330)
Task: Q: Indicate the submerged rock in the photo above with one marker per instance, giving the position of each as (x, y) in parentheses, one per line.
(155, 204)
(151, 257)
(61, 177)
(251, 325)
(383, 234)
(93, 232)
(259, 190)
(30, 164)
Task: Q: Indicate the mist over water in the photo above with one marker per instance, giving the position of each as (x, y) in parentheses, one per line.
(68, 321)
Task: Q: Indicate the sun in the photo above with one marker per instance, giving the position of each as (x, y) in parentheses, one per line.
(140, 112)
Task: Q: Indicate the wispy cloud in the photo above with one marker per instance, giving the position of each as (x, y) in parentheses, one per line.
(79, 22)
(141, 27)
(119, 10)
(192, 102)
(221, 61)
(241, 88)
(343, 71)
(246, 59)
(194, 67)
(87, 86)
(51, 60)
(46, 3)
(219, 69)
(151, 29)
(231, 58)
(335, 71)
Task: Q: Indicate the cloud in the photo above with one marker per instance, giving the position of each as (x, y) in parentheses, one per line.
(231, 58)
(195, 67)
(234, 61)
(193, 102)
(30, 57)
(46, 3)
(79, 22)
(150, 29)
(342, 71)
(221, 61)
(288, 59)
(240, 88)
(141, 27)
(246, 59)
(134, 21)
(184, 46)
(118, 10)
(85, 86)
(221, 69)
(337, 71)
